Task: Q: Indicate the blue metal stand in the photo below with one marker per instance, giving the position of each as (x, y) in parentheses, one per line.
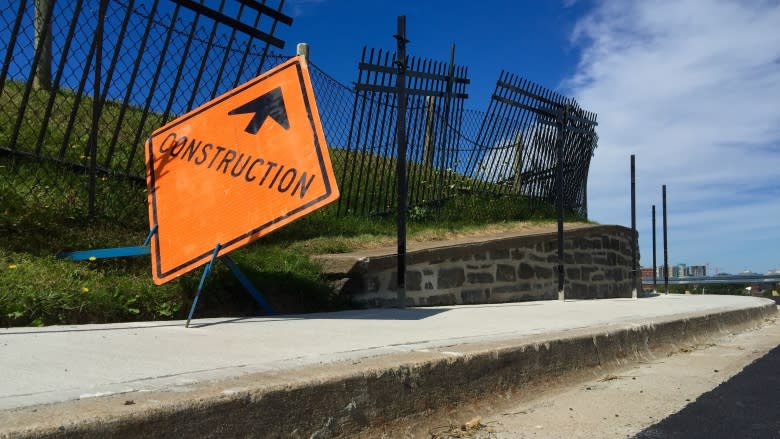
(105, 253)
(206, 272)
(245, 282)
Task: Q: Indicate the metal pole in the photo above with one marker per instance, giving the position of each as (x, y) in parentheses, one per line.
(655, 269)
(402, 184)
(666, 247)
(302, 50)
(445, 126)
(96, 109)
(634, 240)
(562, 116)
(43, 39)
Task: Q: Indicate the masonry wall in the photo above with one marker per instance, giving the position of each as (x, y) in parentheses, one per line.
(519, 268)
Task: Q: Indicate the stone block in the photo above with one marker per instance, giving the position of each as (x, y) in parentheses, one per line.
(440, 300)
(578, 289)
(525, 271)
(372, 284)
(518, 254)
(413, 281)
(499, 253)
(543, 272)
(573, 273)
(471, 296)
(511, 289)
(505, 273)
(480, 278)
(583, 257)
(451, 277)
(586, 271)
(353, 286)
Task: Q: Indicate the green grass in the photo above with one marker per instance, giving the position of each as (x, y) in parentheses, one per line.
(44, 210)
(76, 138)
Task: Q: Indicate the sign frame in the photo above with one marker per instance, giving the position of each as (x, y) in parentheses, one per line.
(161, 270)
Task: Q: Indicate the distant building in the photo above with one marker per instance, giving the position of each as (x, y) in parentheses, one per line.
(680, 270)
(660, 271)
(697, 270)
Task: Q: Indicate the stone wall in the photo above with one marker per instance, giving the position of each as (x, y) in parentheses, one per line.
(508, 269)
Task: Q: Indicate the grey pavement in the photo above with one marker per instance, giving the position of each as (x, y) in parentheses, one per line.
(60, 363)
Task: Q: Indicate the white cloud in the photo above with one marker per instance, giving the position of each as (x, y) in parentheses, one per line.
(302, 7)
(692, 87)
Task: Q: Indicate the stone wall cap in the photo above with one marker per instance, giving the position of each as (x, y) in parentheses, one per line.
(385, 257)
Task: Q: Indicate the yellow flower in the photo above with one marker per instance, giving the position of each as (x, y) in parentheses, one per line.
(92, 258)
(12, 267)
(85, 290)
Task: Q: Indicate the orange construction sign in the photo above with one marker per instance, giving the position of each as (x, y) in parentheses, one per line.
(235, 169)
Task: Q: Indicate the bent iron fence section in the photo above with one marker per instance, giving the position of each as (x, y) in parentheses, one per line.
(161, 58)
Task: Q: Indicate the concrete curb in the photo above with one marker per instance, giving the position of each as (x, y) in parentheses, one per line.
(344, 399)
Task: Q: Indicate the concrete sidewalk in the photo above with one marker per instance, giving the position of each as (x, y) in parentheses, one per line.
(159, 366)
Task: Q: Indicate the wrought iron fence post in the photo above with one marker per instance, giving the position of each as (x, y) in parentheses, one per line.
(563, 114)
(446, 124)
(666, 248)
(401, 162)
(634, 240)
(302, 50)
(96, 108)
(655, 269)
(43, 37)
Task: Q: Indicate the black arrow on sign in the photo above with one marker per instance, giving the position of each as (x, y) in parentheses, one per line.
(270, 104)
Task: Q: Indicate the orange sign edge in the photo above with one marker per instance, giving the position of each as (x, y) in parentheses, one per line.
(332, 192)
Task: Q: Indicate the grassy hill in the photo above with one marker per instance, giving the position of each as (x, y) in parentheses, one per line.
(43, 210)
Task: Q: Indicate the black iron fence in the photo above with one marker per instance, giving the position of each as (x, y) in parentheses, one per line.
(510, 150)
(159, 59)
(156, 59)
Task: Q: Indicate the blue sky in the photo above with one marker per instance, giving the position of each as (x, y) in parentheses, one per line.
(692, 87)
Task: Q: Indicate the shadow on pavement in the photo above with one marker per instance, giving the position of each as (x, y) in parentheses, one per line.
(369, 314)
(746, 406)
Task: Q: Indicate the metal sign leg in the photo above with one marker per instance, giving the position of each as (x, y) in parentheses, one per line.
(149, 236)
(206, 272)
